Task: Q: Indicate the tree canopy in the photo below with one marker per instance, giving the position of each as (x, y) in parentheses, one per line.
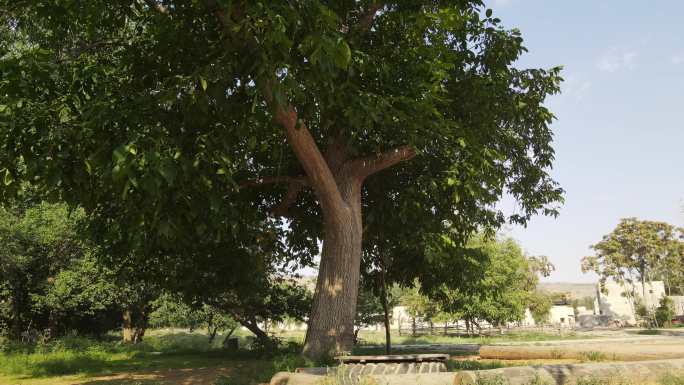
(639, 251)
(179, 125)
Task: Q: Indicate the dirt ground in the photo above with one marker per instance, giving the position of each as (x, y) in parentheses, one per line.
(618, 348)
(193, 376)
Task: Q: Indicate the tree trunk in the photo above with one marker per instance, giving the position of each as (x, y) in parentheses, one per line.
(446, 327)
(260, 335)
(212, 333)
(413, 326)
(385, 309)
(331, 325)
(128, 329)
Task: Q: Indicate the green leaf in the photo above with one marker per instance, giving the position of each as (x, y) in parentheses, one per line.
(8, 178)
(488, 12)
(64, 115)
(343, 54)
(203, 82)
(169, 172)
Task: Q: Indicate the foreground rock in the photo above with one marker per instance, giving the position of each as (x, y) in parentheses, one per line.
(626, 372)
(571, 374)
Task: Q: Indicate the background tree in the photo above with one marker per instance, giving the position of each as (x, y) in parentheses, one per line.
(38, 240)
(540, 304)
(636, 251)
(369, 310)
(501, 292)
(185, 122)
(84, 297)
(171, 311)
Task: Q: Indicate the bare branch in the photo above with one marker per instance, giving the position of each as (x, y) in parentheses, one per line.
(363, 167)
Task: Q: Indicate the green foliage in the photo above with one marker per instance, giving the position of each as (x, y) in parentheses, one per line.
(419, 305)
(540, 304)
(170, 311)
(638, 251)
(155, 121)
(501, 292)
(38, 242)
(369, 310)
(665, 312)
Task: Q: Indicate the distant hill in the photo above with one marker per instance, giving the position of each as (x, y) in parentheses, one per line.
(576, 290)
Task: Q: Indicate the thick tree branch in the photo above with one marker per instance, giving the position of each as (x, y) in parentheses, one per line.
(295, 185)
(157, 6)
(368, 17)
(298, 136)
(364, 167)
(290, 198)
(309, 155)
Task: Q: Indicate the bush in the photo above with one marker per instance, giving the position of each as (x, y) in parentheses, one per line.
(665, 312)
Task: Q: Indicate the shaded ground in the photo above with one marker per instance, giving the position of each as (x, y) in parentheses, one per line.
(170, 362)
(236, 373)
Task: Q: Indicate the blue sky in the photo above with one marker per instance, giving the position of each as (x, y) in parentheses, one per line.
(619, 137)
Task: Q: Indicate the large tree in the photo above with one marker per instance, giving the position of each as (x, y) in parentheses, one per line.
(180, 122)
(638, 251)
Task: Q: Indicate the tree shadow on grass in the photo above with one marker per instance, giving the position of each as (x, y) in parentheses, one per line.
(242, 373)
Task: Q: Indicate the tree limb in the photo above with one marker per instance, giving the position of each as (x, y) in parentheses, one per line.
(157, 6)
(368, 17)
(364, 167)
(290, 198)
(310, 157)
(298, 135)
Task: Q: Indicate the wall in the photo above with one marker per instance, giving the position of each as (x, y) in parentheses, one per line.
(616, 299)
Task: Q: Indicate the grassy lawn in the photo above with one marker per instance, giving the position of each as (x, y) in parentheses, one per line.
(166, 356)
(373, 338)
(79, 360)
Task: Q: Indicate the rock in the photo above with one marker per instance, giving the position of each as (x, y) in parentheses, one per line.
(287, 378)
(632, 372)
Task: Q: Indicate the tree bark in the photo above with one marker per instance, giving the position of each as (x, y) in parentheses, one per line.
(331, 324)
(336, 181)
(253, 327)
(385, 309)
(128, 329)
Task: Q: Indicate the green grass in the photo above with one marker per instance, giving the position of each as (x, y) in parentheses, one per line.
(593, 356)
(456, 365)
(87, 357)
(373, 338)
(672, 379)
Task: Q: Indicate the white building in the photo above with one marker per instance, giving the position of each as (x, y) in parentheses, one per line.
(678, 302)
(618, 300)
(562, 316)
